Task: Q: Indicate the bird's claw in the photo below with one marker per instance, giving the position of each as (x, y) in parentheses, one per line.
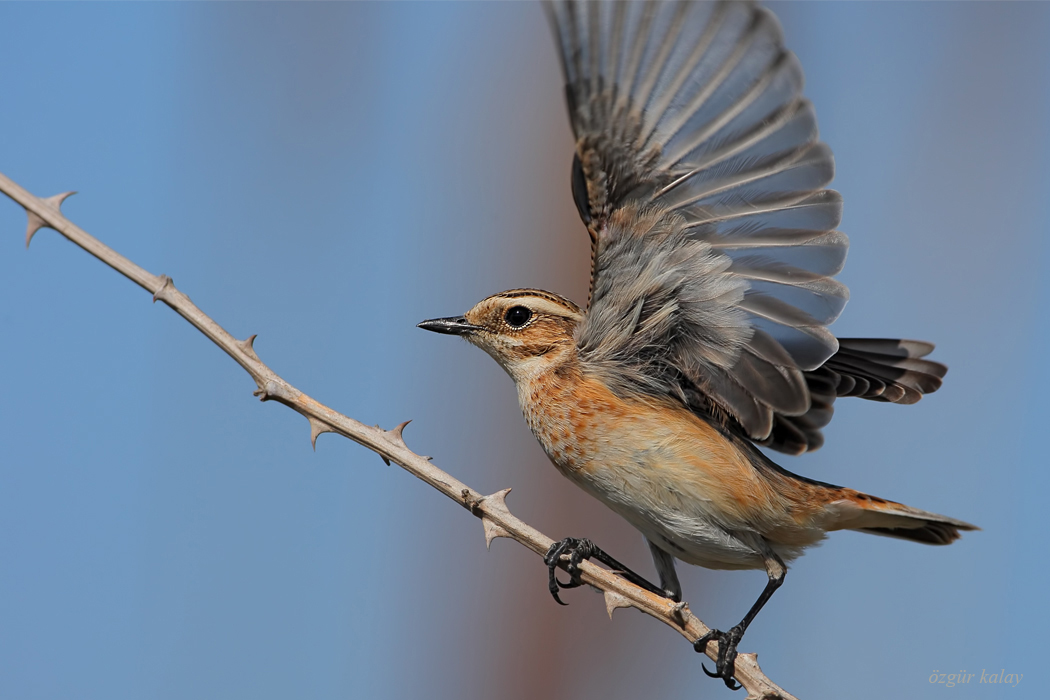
(577, 550)
(725, 665)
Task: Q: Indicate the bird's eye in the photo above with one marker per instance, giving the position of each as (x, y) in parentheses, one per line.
(517, 316)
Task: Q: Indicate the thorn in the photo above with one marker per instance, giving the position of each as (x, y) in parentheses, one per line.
(36, 223)
(316, 428)
(498, 499)
(398, 432)
(492, 531)
(248, 346)
(395, 434)
(165, 283)
(56, 200)
(499, 502)
(615, 600)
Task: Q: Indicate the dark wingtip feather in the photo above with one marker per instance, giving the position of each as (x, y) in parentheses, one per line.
(931, 533)
(887, 346)
(876, 369)
(886, 370)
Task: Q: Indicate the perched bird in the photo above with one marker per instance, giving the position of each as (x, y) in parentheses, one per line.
(701, 179)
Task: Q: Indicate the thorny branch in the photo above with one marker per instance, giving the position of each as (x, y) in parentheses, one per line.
(388, 444)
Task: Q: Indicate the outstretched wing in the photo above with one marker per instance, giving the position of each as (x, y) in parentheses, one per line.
(700, 176)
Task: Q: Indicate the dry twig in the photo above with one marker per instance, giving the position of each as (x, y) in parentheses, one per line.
(388, 444)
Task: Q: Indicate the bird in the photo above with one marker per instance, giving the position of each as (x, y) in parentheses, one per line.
(701, 180)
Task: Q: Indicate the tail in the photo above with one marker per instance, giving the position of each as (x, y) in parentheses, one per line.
(832, 507)
(895, 371)
(853, 510)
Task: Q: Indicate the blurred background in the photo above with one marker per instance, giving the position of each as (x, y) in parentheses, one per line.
(326, 176)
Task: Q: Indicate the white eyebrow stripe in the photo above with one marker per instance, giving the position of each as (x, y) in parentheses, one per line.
(544, 305)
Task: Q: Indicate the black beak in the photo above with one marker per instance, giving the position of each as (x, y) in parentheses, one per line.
(453, 325)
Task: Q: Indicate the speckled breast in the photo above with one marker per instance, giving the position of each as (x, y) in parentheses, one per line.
(573, 419)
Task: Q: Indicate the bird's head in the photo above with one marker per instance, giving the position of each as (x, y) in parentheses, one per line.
(526, 331)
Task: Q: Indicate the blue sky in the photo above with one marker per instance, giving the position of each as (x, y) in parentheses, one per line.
(327, 175)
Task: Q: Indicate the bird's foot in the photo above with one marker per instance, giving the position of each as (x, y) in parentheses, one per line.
(725, 665)
(579, 549)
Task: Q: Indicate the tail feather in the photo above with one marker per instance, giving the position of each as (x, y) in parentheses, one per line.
(853, 510)
(931, 533)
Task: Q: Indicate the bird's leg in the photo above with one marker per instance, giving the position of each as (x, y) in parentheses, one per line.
(668, 576)
(727, 641)
(577, 550)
